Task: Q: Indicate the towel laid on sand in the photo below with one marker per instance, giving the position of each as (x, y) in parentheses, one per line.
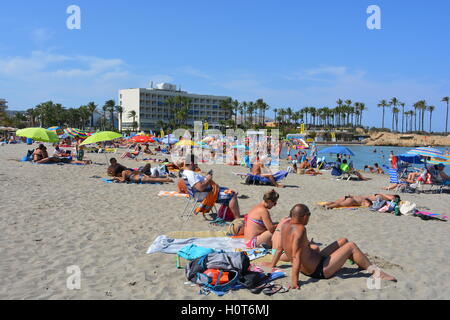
(165, 244)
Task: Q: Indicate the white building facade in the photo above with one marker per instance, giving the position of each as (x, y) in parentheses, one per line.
(151, 108)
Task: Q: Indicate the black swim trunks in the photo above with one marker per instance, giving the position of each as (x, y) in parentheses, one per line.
(318, 273)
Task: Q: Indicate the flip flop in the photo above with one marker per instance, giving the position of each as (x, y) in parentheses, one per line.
(272, 289)
(260, 288)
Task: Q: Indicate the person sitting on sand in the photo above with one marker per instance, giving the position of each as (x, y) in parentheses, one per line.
(133, 155)
(351, 170)
(115, 169)
(139, 177)
(257, 170)
(147, 150)
(349, 201)
(296, 248)
(259, 227)
(203, 185)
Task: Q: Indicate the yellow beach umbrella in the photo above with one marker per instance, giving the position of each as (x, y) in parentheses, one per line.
(186, 143)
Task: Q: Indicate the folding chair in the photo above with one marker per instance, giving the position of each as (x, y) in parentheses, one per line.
(254, 179)
(394, 179)
(192, 203)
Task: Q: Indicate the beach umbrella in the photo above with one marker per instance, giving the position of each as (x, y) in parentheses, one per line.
(76, 133)
(337, 149)
(58, 130)
(410, 158)
(185, 142)
(142, 139)
(101, 137)
(169, 140)
(428, 152)
(38, 134)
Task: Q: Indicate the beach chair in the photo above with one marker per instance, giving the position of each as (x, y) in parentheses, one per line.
(394, 178)
(251, 179)
(193, 202)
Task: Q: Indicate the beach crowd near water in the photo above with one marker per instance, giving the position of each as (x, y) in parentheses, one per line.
(316, 218)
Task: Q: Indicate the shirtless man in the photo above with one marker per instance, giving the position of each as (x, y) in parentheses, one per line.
(259, 227)
(257, 170)
(115, 169)
(296, 248)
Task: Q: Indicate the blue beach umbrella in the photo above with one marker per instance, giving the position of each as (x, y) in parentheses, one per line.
(338, 150)
(169, 140)
(410, 158)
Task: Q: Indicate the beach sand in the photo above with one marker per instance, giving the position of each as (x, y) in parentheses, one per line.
(53, 217)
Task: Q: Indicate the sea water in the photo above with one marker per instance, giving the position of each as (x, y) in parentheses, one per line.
(364, 155)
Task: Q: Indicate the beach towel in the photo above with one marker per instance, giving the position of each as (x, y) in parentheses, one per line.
(208, 203)
(174, 194)
(165, 244)
(128, 182)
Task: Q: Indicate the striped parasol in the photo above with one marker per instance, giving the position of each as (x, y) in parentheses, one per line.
(76, 133)
(58, 130)
(433, 155)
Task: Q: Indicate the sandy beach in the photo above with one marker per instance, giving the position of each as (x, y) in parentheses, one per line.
(56, 216)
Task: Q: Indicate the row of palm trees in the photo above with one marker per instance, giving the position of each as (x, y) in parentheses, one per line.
(243, 114)
(417, 113)
(346, 113)
(54, 114)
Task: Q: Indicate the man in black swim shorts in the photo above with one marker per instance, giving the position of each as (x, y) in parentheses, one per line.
(312, 262)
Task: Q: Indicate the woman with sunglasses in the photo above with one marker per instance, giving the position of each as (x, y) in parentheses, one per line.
(259, 227)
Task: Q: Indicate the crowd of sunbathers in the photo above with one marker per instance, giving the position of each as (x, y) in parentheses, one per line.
(41, 156)
(289, 242)
(433, 173)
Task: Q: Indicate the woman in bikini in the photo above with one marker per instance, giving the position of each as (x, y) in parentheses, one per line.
(259, 227)
(350, 201)
(139, 177)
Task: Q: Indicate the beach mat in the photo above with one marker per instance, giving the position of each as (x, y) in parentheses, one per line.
(325, 202)
(196, 234)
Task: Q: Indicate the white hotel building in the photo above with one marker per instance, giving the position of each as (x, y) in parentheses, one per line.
(150, 107)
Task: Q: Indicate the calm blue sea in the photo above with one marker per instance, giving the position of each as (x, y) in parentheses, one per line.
(364, 155)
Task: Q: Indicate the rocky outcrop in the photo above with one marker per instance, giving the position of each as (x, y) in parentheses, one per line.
(406, 140)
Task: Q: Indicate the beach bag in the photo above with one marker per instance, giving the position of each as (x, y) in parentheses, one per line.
(407, 208)
(195, 267)
(237, 261)
(236, 228)
(336, 172)
(378, 204)
(225, 213)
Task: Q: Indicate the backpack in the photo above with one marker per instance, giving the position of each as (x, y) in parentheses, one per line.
(336, 172)
(236, 228)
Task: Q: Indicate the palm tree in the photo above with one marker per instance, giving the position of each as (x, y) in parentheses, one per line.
(393, 103)
(132, 115)
(430, 109)
(235, 110)
(446, 99)
(275, 111)
(110, 106)
(383, 104)
(92, 107)
(119, 110)
(402, 104)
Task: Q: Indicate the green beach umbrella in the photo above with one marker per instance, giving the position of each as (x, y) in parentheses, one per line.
(101, 137)
(38, 134)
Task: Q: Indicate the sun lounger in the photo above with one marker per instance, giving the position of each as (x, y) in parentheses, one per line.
(260, 180)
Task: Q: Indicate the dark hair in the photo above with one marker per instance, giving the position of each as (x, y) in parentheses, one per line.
(376, 165)
(344, 161)
(272, 195)
(112, 160)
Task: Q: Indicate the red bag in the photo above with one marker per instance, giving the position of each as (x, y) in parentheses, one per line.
(225, 213)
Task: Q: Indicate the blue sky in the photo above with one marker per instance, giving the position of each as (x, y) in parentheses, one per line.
(290, 53)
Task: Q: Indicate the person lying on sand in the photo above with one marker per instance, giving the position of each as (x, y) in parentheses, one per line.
(139, 177)
(258, 168)
(349, 201)
(296, 248)
(259, 227)
(40, 156)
